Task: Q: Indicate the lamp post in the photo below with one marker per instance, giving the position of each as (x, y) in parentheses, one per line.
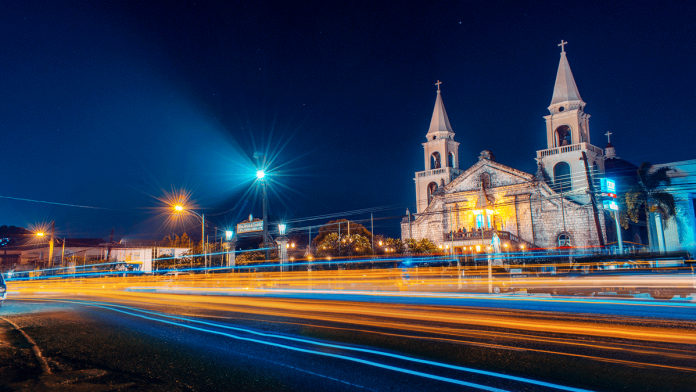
(181, 209)
(261, 176)
(282, 242)
(42, 234)
(231, 245)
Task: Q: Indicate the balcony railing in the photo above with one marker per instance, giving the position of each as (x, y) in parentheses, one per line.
(439, 171)
(569, 148)
(486, 234)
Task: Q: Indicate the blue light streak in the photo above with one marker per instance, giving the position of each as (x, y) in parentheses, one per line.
(328, 345)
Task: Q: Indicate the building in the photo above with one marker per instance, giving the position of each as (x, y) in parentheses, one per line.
(87, 251)
(459, 209)
(679, 232)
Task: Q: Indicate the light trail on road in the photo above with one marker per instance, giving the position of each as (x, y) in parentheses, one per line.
(402, 308)
(166, 318)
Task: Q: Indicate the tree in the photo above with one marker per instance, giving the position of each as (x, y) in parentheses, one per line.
(184, 241)
(341, 224)
(329, 246)
(647, 196)
(395, 245)
(353, 245)
(422, 246)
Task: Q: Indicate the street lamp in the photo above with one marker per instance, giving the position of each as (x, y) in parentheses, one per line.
(181, 209)
(261, 176)
(282, 241)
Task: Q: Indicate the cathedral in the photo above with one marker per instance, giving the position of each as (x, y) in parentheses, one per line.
(461, 208)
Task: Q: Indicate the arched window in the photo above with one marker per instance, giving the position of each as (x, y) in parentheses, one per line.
(636, 239)
(450, 160)
(564, 239)
(432, 187)
(561, 177)
(485, 179)
(435, 161)
(563, 136)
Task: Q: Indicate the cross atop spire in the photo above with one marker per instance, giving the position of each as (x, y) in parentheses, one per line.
(608, 136)
(565, 89)
(562, 45)
(439, 122)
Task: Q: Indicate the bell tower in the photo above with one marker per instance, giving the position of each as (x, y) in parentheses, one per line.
(441, 155)
(568, 136)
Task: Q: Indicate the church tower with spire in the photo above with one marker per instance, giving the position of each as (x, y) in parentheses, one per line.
(441, 155)
(568, 136)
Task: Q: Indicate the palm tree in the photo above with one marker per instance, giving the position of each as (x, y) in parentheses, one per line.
(647, 196)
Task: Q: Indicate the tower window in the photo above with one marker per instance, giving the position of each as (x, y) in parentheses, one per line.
(561, 109)
(432, 187)
(561, 177)
(435, 162)
(450, 160)
(563, 136)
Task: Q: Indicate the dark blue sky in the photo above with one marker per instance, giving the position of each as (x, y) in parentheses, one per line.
(107, 104)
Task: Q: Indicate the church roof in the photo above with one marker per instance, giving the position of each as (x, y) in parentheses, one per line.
(565, 88)
(440, 122)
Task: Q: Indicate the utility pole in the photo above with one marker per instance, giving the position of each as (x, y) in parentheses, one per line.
(205, 254)
(50, 244)
(594, 202)
(618, 231)
(108, 248)
(372, 228)
(563, 207)
(62, 255)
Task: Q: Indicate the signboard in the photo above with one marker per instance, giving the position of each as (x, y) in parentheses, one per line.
(611, 205)
(608, 188)
(250, 227)
(609, 194)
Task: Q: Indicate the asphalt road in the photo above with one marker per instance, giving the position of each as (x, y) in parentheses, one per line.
(136, 341)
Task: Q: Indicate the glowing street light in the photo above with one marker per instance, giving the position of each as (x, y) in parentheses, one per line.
(40, 234)
(181, 209)
(260, 175)
(229, 234)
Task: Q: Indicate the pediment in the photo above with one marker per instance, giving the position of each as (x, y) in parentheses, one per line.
(498, 174)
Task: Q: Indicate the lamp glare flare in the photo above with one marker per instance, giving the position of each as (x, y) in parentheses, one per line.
(260, 174)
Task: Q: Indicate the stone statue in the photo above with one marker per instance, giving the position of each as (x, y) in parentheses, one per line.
(495, 243)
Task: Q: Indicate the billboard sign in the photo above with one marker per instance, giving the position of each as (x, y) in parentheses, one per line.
(250, 227)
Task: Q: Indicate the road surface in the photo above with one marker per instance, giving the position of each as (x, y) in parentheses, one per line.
(299, 341)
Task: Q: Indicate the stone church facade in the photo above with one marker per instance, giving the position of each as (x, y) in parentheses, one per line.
(461, 209)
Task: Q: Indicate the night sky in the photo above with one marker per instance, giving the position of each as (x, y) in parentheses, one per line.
(109, 104)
